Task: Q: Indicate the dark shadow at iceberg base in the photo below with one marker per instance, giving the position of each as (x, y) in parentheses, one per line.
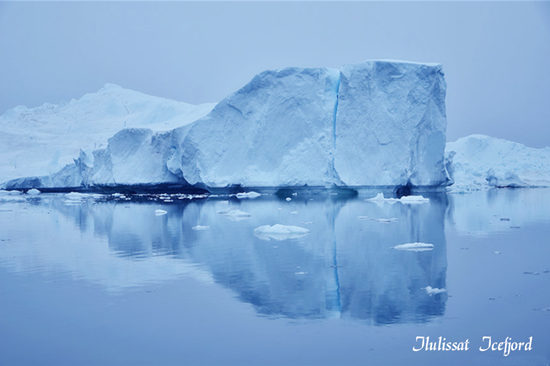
(345, 266)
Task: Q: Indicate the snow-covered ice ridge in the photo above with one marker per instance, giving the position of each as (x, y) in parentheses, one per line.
(376, 123)
(478, 161)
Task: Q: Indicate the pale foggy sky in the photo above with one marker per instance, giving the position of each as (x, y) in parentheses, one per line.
(495, 55)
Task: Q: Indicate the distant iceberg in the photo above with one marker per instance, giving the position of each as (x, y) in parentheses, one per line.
(478, 162)
(375, 123)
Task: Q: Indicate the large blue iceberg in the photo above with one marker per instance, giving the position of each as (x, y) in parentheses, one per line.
(376, 123)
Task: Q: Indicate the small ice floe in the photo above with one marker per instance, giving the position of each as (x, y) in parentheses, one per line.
(433, 291)
(413, 199)
(294, 194)
(408, 200)
(280, 232)
(497, 252)
(414, 247)
(300, 273)
(248, 195)
(307, 223)
(33, 192)
(234, 214)
(160, 212)
(11, 196)
(363, 218)
(77, 196)
(200, 227)
(289, 199)
(294, 212)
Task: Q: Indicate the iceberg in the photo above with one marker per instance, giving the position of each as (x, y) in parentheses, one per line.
(478, 162)
(38, 142)
(376, 123)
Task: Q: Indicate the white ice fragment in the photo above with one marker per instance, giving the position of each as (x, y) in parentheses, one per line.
(405, 199)
(362, 217)
(33, 192)
(289, 199)
(200, 227)
(307, 223)
(77, 196)
(294, 212)
(160, 212)
(280, 232)
(11, 196)
(414, 247)
(497, 252)
(413, 199)
(248, 195)
(433, 291)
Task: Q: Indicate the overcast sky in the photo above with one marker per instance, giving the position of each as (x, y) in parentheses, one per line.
(495, 55)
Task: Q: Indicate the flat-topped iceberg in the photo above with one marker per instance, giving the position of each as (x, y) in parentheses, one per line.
(376, 123)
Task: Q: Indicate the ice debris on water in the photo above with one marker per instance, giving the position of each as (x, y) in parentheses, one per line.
(11, 196)
(433, 291)
(280, 232)
(160, 212)
(248, 195)
(33, 192)
(414, 247)
(200, 227)
(404, 200)
(289, 199)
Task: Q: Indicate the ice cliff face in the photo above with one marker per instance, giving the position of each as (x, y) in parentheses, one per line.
(478, 161)
(41, 141)
(390, 124)
(377, 123)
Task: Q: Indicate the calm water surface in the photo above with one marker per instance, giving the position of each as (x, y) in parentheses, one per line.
(108, 282)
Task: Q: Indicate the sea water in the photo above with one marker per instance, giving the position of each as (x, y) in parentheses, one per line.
(112, 280)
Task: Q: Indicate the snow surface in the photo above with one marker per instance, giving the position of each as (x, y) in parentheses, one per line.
(479, 162)
(40, 141)
(375, 123)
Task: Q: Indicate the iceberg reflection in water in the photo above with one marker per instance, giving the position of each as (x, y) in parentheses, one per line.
(342, 267)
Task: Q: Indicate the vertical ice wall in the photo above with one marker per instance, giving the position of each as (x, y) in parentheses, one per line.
(390, 124)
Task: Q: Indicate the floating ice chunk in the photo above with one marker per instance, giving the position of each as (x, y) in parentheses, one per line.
(300, 273)
(497, 252)
(363, 218)
(414, 247)
(413, 199)
(405, 199)
(294, 212)
(248, 195)
(77, 196)
(307, 223)
(234, 214)
(160, 212)
(200, 227)
(434, 291)
(33, 192)
(11, 196)
(289, 199)
(280, 232)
